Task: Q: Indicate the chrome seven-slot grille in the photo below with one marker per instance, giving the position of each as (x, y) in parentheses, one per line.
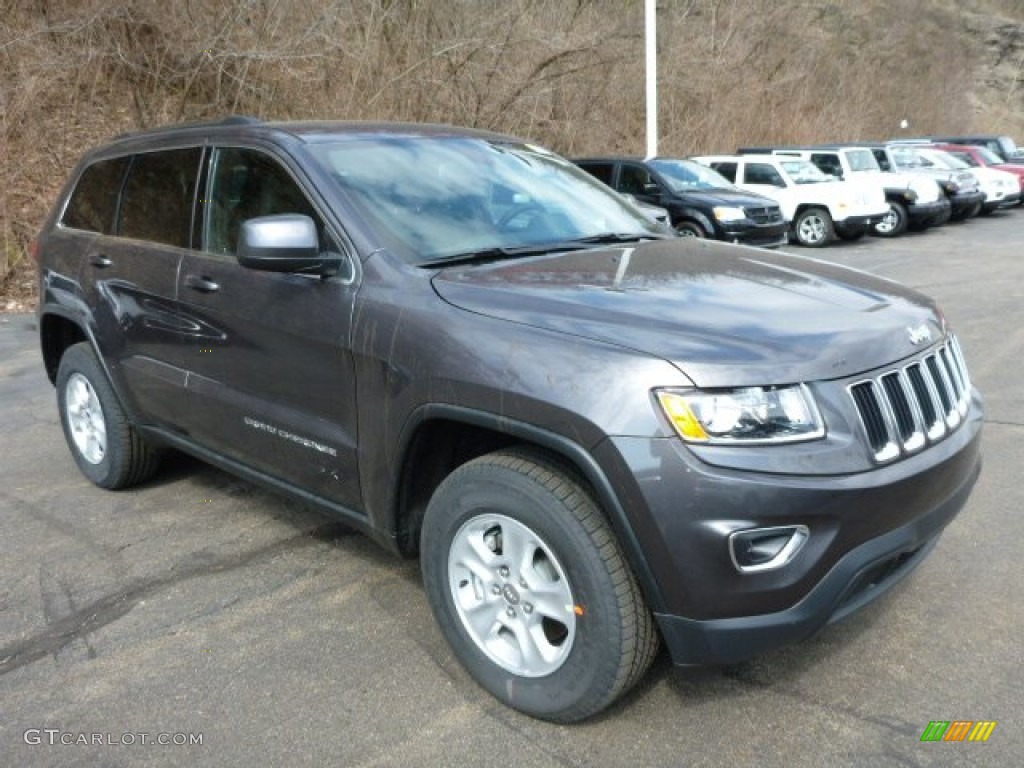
(769, 214)
(906, 408)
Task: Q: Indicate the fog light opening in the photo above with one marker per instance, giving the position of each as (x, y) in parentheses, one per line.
(766, 549)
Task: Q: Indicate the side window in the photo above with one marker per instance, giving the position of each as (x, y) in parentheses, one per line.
(726, 169)
(93, 203)
(762, 173)
(827, 163)
(600, 171)
(158, 196)
(244, 184)
(635, 180)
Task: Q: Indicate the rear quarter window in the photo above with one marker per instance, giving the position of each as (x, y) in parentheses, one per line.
(93, 203)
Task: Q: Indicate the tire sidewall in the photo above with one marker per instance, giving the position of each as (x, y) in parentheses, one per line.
(826, 221)
(80, 361)
(899, 226)
(690, 229)
(584, 676)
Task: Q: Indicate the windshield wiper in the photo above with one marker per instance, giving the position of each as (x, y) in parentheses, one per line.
(576, 244)
(494, 254)
(620, 237)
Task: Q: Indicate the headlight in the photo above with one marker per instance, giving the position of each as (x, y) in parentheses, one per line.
(910, 195)
(725, 213)
(950, 186)
(751, 415)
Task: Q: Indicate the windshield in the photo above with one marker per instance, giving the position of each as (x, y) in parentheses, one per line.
(804, 172)
(964, 157)
(990, 157)
(862, 160)
(684, 175)
(910, 159)
(945, 159)
(434, 197)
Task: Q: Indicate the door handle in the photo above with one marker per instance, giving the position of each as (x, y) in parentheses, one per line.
(100, 261)
(201, 284)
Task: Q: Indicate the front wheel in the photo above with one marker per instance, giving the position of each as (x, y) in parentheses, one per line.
(530, 588)
(690, 229)
(894, 222)
(813, 227)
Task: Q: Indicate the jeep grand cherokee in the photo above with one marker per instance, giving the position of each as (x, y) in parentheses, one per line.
(595, 435)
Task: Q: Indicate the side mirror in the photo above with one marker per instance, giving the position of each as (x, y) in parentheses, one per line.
(286, 242)
(650, 188)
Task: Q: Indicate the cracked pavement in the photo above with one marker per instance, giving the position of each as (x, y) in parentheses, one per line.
(198, 603)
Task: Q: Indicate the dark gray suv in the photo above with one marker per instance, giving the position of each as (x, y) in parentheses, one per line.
(595, 435)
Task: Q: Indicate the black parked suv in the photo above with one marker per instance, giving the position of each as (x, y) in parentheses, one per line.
(595, 435)
(700, 201)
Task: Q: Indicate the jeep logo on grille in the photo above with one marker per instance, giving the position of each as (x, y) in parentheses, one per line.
(919, 335)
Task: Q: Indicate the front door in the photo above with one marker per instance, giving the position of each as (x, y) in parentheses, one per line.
(270, 372)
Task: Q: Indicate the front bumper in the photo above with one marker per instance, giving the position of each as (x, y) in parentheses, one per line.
(866, 531)
(750, 233)
(854, 225)
(929, 214)
(1000, 200)
(964, 202)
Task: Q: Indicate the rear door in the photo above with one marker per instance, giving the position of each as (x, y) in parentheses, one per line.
(131, 270)
(270, 372)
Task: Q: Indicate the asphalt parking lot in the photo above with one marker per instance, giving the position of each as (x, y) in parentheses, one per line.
(199, 607)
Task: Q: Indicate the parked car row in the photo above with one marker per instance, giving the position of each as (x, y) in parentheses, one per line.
(816, 194)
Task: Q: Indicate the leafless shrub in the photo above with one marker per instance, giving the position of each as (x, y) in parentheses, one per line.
(567, 73)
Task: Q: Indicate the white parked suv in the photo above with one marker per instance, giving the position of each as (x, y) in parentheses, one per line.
(916, 201)
(817, 206)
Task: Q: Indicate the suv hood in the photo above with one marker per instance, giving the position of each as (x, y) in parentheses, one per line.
(724, 315)
(731, 197)
(926, 189)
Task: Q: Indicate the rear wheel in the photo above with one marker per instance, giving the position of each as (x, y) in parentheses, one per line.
(813, 227)
(106, 447)
(894, 222)
(530, 588)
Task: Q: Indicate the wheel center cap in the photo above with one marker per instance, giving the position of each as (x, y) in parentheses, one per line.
(510, 594)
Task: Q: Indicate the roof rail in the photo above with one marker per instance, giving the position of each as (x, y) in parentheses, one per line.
(224, 121)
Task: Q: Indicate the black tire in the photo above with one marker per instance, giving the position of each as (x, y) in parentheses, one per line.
(813, 228)
(612, 640)
(894, 223)
(690, 229)
(87, 407)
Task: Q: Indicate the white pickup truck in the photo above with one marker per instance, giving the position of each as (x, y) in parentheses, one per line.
(817, 206)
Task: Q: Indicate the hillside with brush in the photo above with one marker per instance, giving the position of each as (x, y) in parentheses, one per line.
(565, 73)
